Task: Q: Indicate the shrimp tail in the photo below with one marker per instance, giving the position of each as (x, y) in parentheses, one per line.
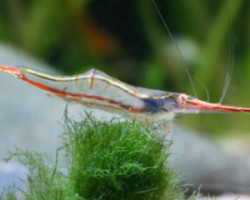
(14, 71)
(32, 77)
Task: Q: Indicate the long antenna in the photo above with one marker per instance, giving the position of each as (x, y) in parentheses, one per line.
(176, 46)
(230, 61)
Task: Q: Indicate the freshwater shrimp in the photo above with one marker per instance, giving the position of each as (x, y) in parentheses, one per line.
(98, 90)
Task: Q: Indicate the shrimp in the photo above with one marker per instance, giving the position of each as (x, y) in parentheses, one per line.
(99, 90)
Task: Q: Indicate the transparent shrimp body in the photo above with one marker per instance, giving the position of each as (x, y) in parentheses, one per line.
(96, 89)
(92, 88)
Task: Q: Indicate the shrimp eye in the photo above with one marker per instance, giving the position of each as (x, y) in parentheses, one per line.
(182, 99)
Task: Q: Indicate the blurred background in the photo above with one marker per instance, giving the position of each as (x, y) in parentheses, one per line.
(127, 40)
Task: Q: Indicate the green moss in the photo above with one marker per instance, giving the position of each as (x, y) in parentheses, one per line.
(106, 160)
(8, 193)
(118, 161)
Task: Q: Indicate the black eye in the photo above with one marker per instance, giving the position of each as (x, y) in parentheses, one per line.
(183, 97)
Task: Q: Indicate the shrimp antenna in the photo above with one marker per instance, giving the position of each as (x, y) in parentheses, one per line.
(230, 60)
(203, 86)
(176, 47)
